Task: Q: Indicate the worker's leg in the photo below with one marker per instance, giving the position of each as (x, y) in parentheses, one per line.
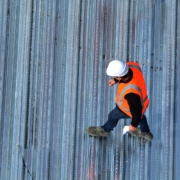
(104, 131)
(113, 119)
(144, 125)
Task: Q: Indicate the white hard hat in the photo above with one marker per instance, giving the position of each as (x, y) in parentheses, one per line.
(117, 68)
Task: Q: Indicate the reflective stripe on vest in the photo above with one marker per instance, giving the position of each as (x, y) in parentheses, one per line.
(125, 109)
(131, 86)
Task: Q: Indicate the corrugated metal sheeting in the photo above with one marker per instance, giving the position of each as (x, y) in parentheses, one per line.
(53, 57)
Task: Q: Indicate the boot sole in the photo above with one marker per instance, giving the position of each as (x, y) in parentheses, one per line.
(93, 135)
(97, 135)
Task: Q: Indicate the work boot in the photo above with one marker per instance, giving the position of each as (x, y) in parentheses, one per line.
(96, 131)
(148, 136)
(136, 133)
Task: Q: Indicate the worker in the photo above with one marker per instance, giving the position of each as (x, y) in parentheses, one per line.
(131, 100)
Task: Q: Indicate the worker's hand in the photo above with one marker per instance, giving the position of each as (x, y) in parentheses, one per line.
(132, 128)
(111, 82)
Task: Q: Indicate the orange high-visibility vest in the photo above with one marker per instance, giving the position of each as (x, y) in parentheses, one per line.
(137, 85)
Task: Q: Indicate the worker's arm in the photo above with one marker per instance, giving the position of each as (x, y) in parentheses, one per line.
(135, 106)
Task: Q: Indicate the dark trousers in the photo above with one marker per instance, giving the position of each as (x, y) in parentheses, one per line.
(116, 114)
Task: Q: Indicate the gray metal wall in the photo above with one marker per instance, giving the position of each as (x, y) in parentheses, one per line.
(53, 57)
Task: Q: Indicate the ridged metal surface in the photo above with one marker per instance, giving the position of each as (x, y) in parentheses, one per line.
(53, 59)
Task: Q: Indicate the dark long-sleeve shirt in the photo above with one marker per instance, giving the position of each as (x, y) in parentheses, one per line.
(135, 108)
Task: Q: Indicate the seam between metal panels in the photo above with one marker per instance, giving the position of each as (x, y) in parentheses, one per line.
(177, 55)
(94, 89)
(167, 97)
(120, 37)
(28, 91)
(71, 43)
(114, 30)
(108, 162)
(40, 96)
(4, 80)
(159, 145)
(137, 41)
(54, 86)
(52, 92)
(13, 102)
(5, 67)
(151, 29)
(142, 147)
(62, 92)
(88, 85)
(123, 175)
(123, 159)
(34, 88)
(128, 30)
(175, 94)
(46, 83)
(169, 106)
(50, 157)
(28, 72)
(77, 88)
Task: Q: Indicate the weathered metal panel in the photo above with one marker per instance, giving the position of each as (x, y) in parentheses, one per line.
(176, 133)
(53, 84)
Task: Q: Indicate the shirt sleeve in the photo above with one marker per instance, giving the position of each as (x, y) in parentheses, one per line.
(135, 106)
